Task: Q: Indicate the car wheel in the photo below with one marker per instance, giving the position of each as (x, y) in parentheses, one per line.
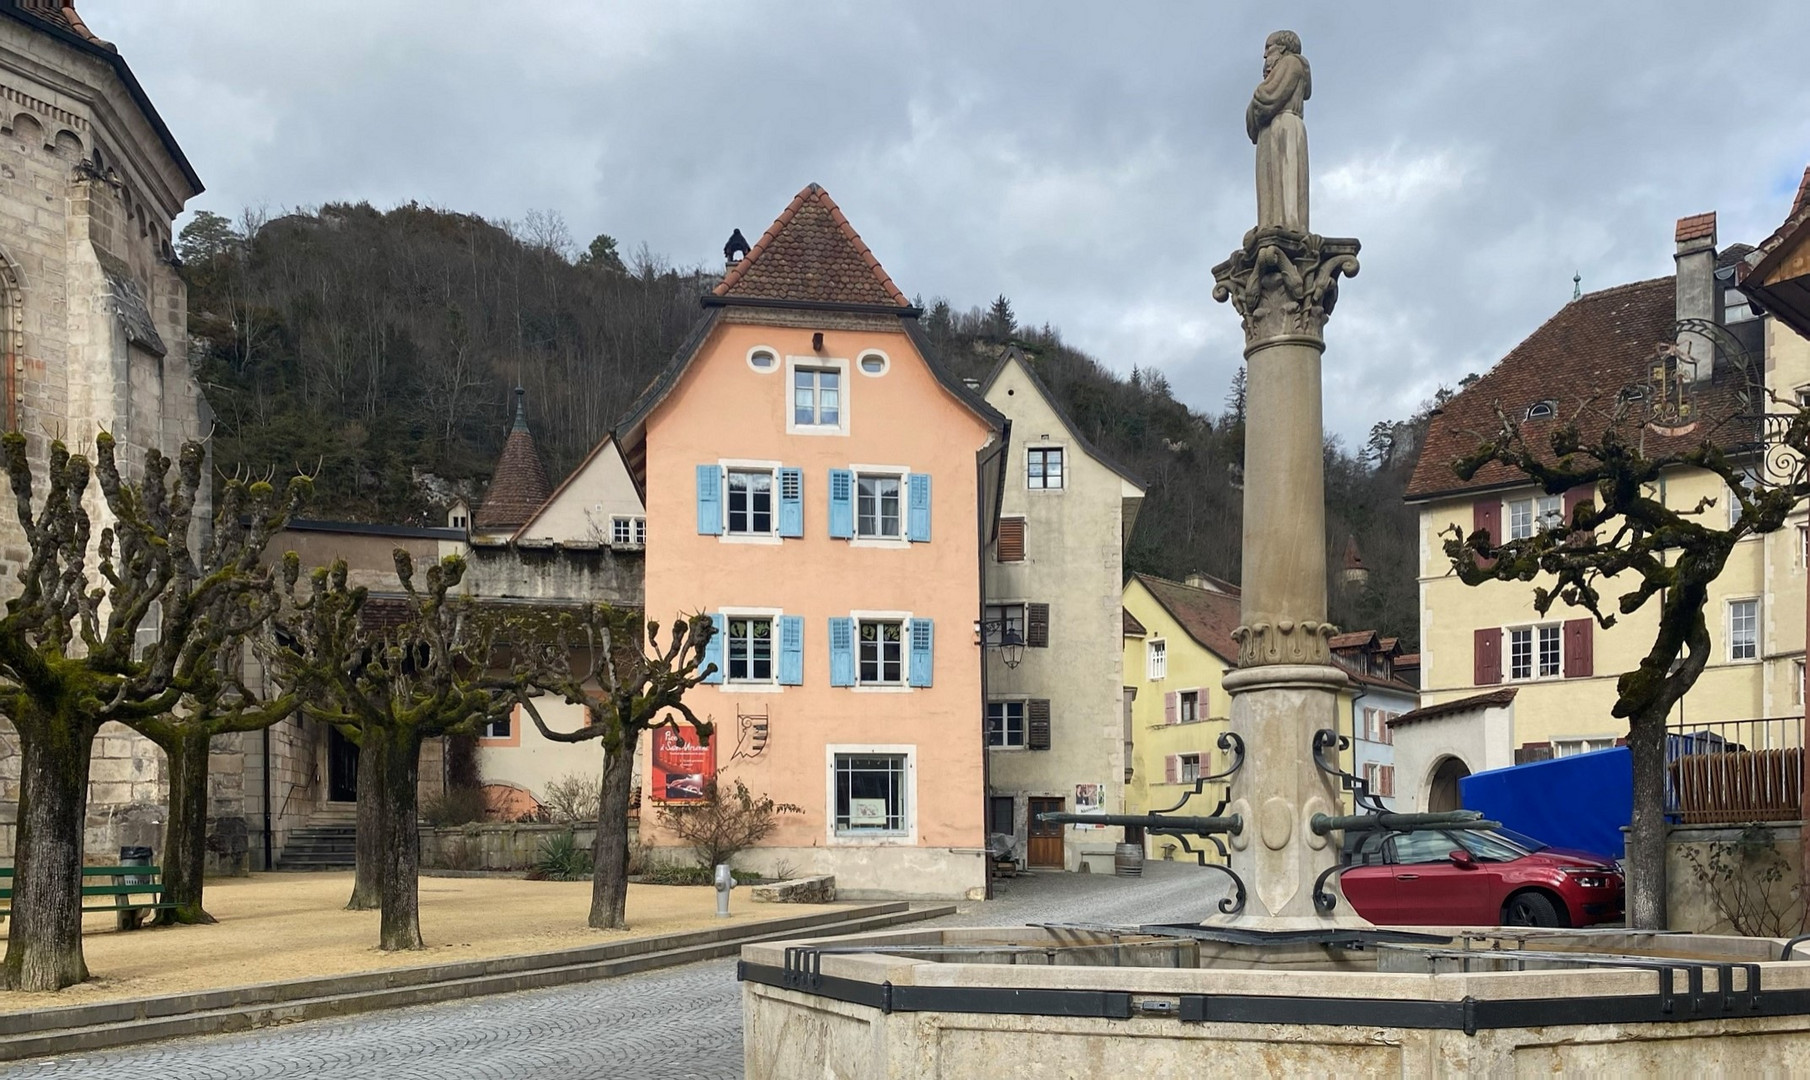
(1531, 909)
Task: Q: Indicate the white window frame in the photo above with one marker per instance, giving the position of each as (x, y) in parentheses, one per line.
(751, 686)
(903, 686)
(1181, 704)
(903, 473)
(1543, 512)
(1797, 671)
(1156, 660)
(1728, 623)
(1024, 723)
(909, 837)
(1535, 632)
(1037, 448)
(725, 466)
(817, 363)
(770, 369)
(1572, 745)
(1181, 767)
(628, 530)
(885, 362)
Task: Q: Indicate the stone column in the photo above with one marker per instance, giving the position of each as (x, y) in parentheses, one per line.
(1283, 282)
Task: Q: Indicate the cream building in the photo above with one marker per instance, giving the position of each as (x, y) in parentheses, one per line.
(1054, 726)
(1600, 348)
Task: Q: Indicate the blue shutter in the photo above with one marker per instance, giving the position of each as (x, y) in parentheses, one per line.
(791, 650)
(791, 502)
(923, 638)
(917, 524)
(710, 500)
(842, 652)
(842, 504)
(713, 651)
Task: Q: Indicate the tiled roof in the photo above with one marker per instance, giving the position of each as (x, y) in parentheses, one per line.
(1696, 227)
(519, 485)
(1353, 560)
(1355, 639)
(63, 14)
(811, 254)
(1588, 351)
(1133, 628)
(1208, 616)
(1491, 700)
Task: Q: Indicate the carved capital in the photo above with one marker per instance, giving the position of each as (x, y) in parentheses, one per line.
(1284, 283)
(1284, 642)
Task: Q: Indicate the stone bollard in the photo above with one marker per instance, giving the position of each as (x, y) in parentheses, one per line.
(724, 882)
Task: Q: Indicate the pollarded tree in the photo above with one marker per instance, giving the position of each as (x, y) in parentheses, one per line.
(390, 675)
(71, 659)
(610, 661)
(1621, 527)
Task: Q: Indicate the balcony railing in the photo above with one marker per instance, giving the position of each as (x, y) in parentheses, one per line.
(1735, 771)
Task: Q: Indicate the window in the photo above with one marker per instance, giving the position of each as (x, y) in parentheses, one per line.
(1803, 545)
(762, 360)
(999, 622)
(1735, 307)
(628, 530)
(817, 397)
(750, 502)
(1582, 745)
(1043, 467)
(749, 646)
(1424, 847)
(1376, 725)
(873, 363)
(1188, 707)
(882, 653)
(1189, 768)
(1373, 777)
(1529, 646)
(498, 728)
(1743, 629)
(1156, 659)
(870, 795)
(1543, 410)
(641, 531)
(877, 506)
(1525, 516)
(1797, 667)
(1000, 813)
(1005, 723)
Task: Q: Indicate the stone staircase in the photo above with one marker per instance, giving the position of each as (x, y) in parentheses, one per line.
(327, 842)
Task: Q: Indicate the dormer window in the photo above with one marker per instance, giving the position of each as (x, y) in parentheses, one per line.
(1633, 394)
(1543, 410)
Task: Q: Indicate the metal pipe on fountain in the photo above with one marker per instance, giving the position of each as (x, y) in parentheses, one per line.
(1229, 825)
(1449, 819)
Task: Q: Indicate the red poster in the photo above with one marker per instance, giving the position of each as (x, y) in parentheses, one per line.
(682, 765)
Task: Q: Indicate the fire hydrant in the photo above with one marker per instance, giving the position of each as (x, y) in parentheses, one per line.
(724, 882)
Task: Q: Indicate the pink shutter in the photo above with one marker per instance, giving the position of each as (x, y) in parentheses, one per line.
(1486, 516)
(1172, 770)
(1486, 656)
(1169, 706)
(1388, 781)
(1583, 493)
(1201, 712)
(1579, 663)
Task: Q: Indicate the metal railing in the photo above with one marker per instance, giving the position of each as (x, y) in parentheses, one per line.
(1735, 771)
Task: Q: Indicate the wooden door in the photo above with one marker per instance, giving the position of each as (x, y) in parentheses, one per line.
(1045, 848)
(342, 767)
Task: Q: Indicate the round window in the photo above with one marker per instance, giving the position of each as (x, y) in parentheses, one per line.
(873, 363)
(762, 359)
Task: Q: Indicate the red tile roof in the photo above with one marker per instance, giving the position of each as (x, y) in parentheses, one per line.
(1207, 615)
(1493, 699)
(1133, 628)
(1696, 227)
(1353, 560)
(1586, 353)
(1354, 639)
(811, 254)
(519, 485)
(63, 14)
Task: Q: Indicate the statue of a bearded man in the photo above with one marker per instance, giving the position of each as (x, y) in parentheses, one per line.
(1274, 123)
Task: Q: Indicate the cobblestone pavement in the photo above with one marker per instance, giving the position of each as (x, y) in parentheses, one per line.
(673, 1024)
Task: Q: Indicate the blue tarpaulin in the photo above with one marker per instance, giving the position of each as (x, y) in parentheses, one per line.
(1582, 801)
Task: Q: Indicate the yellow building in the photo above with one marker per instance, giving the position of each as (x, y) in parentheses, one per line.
(1178, 648)
(1598, 352)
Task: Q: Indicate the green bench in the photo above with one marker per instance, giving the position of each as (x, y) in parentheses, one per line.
(131, 914)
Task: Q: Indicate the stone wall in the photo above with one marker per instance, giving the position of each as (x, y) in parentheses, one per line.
(598, 574)
(499, 845)
(1692, 898)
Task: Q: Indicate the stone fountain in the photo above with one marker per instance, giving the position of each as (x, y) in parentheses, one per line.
(1285, 978)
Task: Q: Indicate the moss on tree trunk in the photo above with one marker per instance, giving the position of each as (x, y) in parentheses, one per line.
(368, 842)
(185, 835)
(609, 852)
(44, 941)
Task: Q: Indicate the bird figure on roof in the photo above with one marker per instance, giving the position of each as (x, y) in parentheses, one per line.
(736, 247)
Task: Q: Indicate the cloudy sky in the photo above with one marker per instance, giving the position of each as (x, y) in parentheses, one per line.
(1088, 160)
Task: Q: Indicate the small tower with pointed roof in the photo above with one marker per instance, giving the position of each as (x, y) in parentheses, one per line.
(518, 486)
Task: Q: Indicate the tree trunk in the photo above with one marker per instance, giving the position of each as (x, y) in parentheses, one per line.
(367, 859)
(400, 870)
(44, 942)
(185, 836)
(609, 853)
(1647, 830)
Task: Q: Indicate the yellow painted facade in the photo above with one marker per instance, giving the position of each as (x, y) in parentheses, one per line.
(1575, 713)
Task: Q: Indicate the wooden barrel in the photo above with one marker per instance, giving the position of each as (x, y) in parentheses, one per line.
(1128, 860)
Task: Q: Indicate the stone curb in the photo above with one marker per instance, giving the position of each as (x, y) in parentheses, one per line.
(93, 1027)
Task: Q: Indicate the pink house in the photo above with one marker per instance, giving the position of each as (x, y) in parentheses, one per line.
(823, 488)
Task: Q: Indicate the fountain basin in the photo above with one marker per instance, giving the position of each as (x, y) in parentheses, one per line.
(1050, 1001)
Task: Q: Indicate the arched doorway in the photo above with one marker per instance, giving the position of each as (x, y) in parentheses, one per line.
(1443, 794)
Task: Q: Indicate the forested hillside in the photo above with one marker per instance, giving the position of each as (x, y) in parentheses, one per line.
(377, 350)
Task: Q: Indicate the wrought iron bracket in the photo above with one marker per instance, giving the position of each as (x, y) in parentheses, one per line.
(1229, 742)
(1327, 739)
(1229, 905)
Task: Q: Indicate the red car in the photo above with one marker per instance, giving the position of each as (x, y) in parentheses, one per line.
(1480, 878)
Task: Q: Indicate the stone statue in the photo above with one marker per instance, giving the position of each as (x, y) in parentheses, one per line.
(1273, 121)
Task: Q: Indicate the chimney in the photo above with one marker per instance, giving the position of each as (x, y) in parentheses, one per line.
(1699, 294)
